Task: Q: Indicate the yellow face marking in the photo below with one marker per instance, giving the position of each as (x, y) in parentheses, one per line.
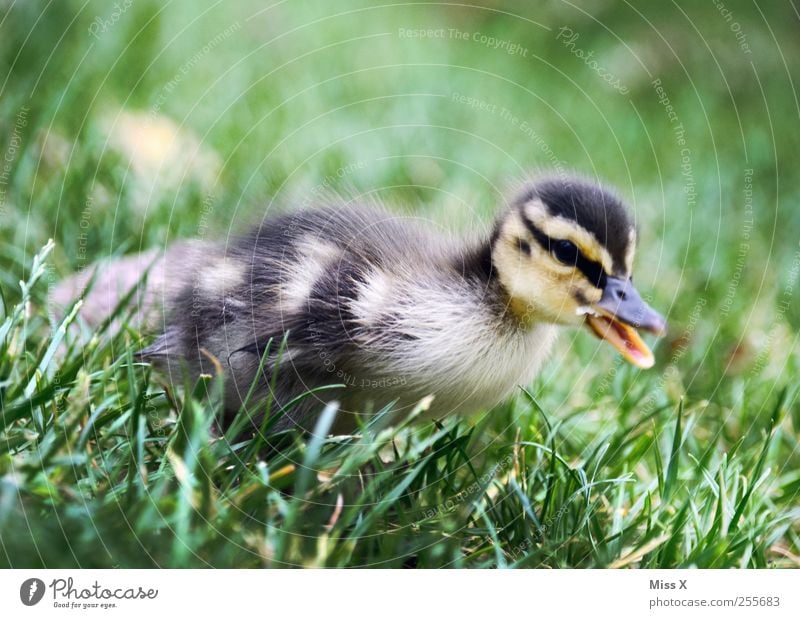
(630, 252)
(565, 229)
(538, 286)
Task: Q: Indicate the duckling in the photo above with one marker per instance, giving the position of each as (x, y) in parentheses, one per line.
(394, 312)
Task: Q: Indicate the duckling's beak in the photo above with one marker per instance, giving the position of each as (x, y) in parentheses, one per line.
(617, 315)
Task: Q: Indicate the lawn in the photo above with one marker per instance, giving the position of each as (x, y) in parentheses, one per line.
(127, 127)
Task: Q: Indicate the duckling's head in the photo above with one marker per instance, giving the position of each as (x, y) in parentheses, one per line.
(563, 253)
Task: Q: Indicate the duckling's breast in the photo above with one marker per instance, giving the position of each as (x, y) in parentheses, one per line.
(440, 335)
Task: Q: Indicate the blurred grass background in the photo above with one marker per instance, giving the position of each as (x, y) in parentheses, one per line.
(125, 127)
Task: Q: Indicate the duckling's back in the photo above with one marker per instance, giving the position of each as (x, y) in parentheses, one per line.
(311, 276)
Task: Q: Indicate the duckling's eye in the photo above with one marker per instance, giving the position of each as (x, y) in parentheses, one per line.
(523, 246)
(565, 251)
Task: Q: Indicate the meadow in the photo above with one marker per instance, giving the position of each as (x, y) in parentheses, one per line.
(125, 127)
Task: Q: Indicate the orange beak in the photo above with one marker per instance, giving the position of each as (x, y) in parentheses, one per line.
(617, 316)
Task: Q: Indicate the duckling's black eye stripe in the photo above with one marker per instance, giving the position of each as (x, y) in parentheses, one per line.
(591, 270)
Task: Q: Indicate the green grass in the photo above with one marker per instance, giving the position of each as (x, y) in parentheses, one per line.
(695, 462)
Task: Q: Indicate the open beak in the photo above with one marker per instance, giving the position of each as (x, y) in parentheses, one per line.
(617, 316)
